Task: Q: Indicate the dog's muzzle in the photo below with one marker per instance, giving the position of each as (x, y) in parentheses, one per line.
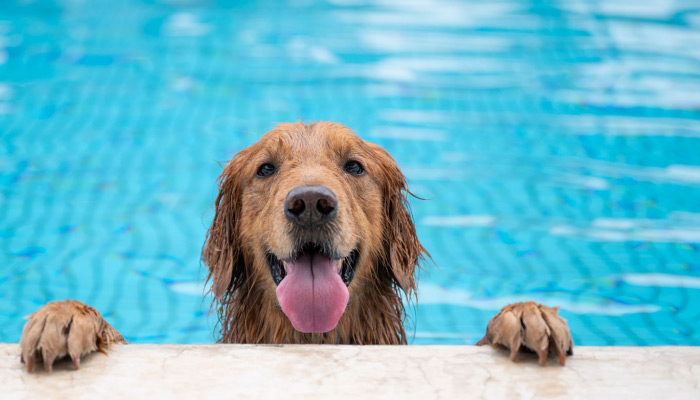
(312, 281)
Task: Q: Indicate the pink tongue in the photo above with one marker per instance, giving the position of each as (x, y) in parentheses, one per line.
(312, 294)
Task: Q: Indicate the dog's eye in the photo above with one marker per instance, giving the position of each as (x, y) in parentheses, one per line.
(266, 169)
(354, 167)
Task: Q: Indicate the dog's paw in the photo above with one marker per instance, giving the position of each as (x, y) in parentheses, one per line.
(65, 328)
(535, 326)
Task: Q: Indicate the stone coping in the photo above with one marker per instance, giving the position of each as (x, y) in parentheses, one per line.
(296, 371)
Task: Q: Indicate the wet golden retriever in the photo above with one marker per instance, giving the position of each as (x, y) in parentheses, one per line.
(312, 242)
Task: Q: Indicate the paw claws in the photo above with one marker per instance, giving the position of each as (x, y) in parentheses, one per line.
(514, 353)
(48, 366)
(484, 340)
(49, 358)
(76, 362)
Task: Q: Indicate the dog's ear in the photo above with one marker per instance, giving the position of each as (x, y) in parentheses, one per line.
(222, 249)
(402, 250)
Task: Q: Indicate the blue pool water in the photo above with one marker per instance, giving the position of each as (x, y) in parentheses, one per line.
(558, 142)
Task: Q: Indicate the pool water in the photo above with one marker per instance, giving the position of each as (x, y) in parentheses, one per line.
(558, 142)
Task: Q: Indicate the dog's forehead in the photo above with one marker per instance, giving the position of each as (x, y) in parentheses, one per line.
(304, 139)
(315, 135)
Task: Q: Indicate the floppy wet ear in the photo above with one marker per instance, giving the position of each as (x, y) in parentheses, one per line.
(222, 251)
(403, 251)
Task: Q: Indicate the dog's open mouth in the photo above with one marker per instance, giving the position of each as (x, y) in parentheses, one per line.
(312, 286)
(347, 269)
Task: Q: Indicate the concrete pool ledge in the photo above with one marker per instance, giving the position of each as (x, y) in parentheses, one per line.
(295, 371)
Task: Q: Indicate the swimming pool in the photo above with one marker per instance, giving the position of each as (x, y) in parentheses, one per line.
(558, 142)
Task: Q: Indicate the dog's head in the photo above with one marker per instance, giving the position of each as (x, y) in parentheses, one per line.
(312, 213)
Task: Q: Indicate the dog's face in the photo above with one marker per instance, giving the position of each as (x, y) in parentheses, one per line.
(313, 213)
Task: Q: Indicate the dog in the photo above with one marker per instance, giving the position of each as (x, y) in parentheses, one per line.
(312, 241)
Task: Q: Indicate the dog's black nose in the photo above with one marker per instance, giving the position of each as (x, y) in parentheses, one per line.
(310, 205)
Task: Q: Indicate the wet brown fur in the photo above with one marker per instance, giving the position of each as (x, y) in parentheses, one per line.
(373, 216)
